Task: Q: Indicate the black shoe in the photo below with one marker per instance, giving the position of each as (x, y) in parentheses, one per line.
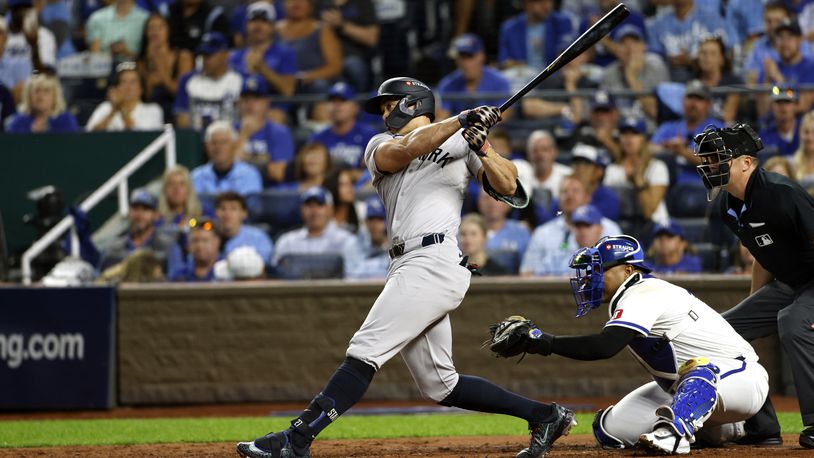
(772, 440)
(807, 437)
(543, 435)
(272, 445)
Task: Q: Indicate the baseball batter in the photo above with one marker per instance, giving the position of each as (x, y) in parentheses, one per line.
(704, 373)
(421, 170)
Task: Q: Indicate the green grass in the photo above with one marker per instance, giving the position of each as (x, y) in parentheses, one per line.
(34, 433)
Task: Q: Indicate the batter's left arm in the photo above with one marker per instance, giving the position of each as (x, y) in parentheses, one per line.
(502, 172)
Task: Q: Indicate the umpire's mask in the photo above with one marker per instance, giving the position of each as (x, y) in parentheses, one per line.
(716, 147)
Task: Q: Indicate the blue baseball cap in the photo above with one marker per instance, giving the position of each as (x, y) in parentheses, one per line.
(602, 100)
(628, 30)
(143, 198)
(597, 156)
(375, 208)
(341, 90)
(254, 85)
(212, 42)
(468, 44)
(633, 123)
(586, 214)
(261, 10)
(318, 195)
(671, 228)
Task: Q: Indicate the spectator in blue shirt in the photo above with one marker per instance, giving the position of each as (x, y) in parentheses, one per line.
(745, 18)
(238, 20)
(589, 164)
(782, 136)
(502, 233)
(203, 246)
(535, 37)
(224, 172)
(12, 74)
(774, 13)
(607, 50)
(319, 234)
(677, 33)
(373, 242)
(670, 251)
(142, 233)
(676, 136)
(42, 109)
(231, 213)
(472, 77)
(208, 94)
(346, 138)
(792, 67)
(263, 55)
(265, 144)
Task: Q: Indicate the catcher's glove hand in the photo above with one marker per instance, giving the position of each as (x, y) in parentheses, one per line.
(512, 336)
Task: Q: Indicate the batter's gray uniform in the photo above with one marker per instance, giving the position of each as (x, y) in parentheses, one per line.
(424, 284)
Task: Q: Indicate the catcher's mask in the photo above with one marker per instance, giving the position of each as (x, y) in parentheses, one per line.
(717, 147)
(415, 99)
(591, 263)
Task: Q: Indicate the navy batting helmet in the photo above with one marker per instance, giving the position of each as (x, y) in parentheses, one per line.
(716, 147)
(591, 263)
(416, 99)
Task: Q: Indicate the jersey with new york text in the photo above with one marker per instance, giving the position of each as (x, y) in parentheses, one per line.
(426, 196)
(674, 325)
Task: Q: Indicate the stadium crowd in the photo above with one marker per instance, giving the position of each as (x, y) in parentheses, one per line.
(284, 192)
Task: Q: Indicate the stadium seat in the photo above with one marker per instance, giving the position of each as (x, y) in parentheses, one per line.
(279, 208)
(508, 259)
(687, 200)
(310, 266)
(710, 256)
(695, 229)
(628, 202)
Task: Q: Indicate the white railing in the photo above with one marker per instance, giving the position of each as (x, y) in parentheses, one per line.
(118, 182)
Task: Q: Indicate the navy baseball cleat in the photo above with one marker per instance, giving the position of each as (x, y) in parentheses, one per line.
(543, 435)
(807, 437)
(272, 445)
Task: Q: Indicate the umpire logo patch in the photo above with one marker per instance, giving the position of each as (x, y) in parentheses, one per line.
(764, 240)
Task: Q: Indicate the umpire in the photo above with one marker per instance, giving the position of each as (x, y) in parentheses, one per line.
(773, 217)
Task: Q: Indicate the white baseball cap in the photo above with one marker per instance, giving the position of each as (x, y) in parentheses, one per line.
(242, 263)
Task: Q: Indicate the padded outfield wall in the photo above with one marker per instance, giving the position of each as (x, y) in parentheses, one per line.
(280, 341)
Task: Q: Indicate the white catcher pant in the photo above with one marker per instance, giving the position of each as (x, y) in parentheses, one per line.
(740, 395)
(410, 316)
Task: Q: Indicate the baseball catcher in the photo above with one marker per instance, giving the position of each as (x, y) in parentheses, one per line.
(704, 374)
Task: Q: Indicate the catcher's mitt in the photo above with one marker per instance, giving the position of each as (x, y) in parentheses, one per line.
(511, 336)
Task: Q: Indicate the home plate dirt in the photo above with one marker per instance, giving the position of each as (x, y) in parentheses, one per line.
(441, 447)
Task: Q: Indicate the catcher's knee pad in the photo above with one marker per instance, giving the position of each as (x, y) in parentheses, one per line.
(695, 398)
(605, 439)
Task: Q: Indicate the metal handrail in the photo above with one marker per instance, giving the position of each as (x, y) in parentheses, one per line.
(118, 182)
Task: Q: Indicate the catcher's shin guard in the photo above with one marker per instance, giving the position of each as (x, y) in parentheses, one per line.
(605, 439)
(695, 398)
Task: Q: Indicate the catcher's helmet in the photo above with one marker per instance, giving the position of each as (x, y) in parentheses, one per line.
(416, 100)
(716, 147)
(591, 263)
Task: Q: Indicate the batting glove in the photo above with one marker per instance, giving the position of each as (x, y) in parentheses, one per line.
(475, 136)
(485, 116)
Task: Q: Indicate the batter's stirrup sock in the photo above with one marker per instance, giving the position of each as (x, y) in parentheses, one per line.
(475, 393)
(345, 388)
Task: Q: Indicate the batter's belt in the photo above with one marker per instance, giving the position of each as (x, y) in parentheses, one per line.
(407, 246)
